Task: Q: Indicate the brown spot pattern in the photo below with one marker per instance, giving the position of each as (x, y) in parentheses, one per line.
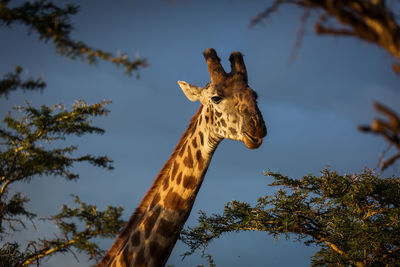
(188, 161)
(232, 130)
(179, 178)
(173, 201)
(140, 260)
(189, 182)
(201, 138)
(181, 151)
(223, 122)
(218, 114)
(155, 249)
(194, 143)
(127, 258)
(135, 239)
(166, 183)
(155, 200)
(174, 170)
(159, 253)
(206, 118)
(165, 228)
(150, 221)
(200, 160)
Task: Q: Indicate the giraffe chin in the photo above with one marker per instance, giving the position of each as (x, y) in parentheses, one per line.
(252, 142)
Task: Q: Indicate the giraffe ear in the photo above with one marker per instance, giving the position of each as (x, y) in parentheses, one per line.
(191, 91)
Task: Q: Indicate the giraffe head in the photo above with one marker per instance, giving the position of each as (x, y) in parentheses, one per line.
(229, 104)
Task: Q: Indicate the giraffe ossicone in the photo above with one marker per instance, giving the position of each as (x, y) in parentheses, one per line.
(228, 110)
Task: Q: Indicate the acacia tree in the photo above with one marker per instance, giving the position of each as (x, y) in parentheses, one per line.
(31, 143)
(354, 219)
(28, 151)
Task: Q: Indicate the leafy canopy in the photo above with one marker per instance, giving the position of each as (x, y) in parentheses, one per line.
(52, 22)
(30, 148)
(33, 142)
(354, 219)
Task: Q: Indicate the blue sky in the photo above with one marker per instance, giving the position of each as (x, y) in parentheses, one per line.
(311, 107)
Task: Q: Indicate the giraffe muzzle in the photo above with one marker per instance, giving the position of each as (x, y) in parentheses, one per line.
(252, 142)
(255, 132)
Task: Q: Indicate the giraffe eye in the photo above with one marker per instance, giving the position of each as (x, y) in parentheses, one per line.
(216, 99)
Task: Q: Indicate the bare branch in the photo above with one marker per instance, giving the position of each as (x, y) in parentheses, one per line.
(389, 130)
(300, 34)
(390, 161)
(268, 11)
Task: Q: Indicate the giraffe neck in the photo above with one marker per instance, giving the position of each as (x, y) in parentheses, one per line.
(154, 227)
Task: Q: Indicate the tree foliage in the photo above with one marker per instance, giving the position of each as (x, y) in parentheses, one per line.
(30, 148)
(51, 22)
(354, 219)
(12, 81)
(78, 227)
(33, 143)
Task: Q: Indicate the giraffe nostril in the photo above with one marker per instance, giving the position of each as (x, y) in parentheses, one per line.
(255, 121)
(258, 125)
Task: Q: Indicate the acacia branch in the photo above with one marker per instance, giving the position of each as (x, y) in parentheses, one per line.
(320, 29)
(84, 235)
(53, 22)
(267, 12)
(388, 129)
(103, 224)
(4, 186)
(46, 252)
(13, 81)
(371, 21)
(331, 245)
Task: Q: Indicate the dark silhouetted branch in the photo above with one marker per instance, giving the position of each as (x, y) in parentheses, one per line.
(371, 21)
(389, 130)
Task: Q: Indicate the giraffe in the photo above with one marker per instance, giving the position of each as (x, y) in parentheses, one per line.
(228, 110)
